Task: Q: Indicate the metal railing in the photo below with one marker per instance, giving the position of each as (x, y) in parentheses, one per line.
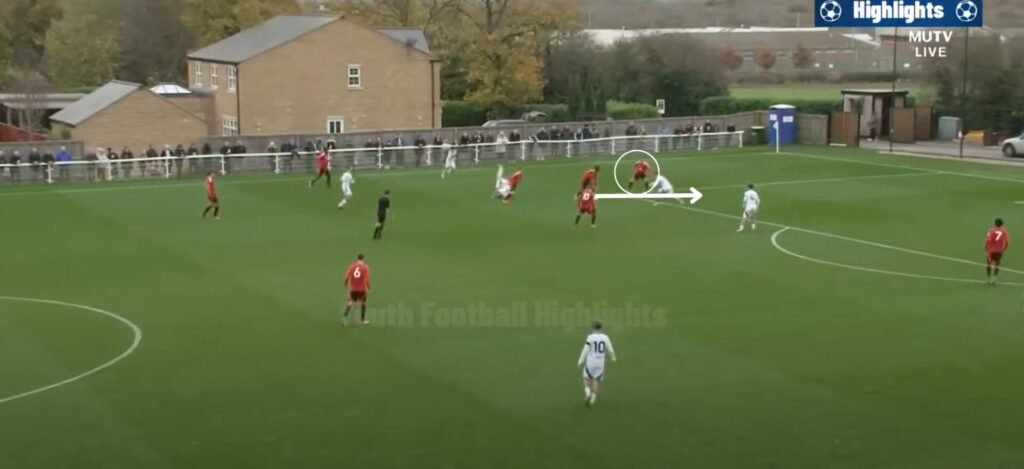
(173, 167)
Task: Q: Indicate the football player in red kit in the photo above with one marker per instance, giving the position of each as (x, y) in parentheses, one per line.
(640, 169)
(996, 242)
(357, 279)
(323, 168)
(589, 178)
(586, 204)
(211, 198)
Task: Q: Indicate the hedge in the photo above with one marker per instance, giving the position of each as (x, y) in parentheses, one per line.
(624, 111)
(725, 105)
(462, 114)
(555, 112)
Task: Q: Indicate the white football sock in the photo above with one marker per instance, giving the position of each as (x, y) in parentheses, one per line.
(586, 392)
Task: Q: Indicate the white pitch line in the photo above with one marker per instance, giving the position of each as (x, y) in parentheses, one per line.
(835, 179)
(775, 243)
(375, 173)
(136, 339)
(887, 165)
(847, 238)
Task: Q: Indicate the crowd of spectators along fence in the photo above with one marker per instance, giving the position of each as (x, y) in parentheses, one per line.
(109, 164)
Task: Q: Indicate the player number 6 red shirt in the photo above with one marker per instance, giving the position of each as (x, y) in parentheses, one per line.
(358, 277)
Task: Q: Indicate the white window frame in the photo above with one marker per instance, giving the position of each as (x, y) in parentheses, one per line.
(198, 77)
(340, 120)
(214, 76)
(228, 126)
(358, 76)
(232, 79)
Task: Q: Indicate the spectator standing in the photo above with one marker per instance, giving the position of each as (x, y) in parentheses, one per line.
(399, 143)
(191, 155)
(103, 165)
(150, 153)
(501, 145)
(272, 156)
(48, 166)
(293, 154)
(115, 167)
(421, 149)
(35, 159)
(179, 159)
(90, 166)
(3, 164)
(166, 159)
(16, 166)
(127, 162)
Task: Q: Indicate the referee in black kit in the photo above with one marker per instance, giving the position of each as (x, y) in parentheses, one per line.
(383, 208)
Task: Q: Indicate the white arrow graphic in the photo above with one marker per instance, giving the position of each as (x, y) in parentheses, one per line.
(694, 195)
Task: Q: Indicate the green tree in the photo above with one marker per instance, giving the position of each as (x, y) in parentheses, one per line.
(5, 55)
(27, 22)
(500, 41)
(213, 20)
(154, 41)
(81, 51)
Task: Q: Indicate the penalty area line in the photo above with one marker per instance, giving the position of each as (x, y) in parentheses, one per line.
(780, 248)
(842, 238)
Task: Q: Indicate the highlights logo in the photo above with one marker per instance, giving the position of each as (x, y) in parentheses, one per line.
(898, 13)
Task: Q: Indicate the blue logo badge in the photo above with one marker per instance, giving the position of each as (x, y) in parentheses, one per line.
(899, 13)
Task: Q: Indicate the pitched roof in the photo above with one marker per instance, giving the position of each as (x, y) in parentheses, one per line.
(261, 38)
(413, 37)
(94, 102)
(285, 28)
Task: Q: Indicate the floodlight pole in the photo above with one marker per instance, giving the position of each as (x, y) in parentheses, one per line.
(892, 97)
(963, 94)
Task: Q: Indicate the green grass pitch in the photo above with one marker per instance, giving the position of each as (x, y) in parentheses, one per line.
(861, 336)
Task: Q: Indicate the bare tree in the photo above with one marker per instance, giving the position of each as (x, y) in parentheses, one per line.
(30, 89)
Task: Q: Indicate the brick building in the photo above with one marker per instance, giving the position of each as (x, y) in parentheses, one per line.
(122, 114)
(318, 74)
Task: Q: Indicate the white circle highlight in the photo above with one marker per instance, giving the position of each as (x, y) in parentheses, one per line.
(615, 169)
(136, 339)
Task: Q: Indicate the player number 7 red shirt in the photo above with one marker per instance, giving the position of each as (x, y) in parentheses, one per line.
(358, 277)
(997, 240)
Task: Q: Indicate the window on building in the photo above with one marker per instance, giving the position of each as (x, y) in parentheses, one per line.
(232, 78)
(355, 76)
(214, 81)
(335, 125)
(199, 75)
(229, 126)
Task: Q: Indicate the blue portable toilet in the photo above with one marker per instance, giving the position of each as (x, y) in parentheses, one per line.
(784, 116)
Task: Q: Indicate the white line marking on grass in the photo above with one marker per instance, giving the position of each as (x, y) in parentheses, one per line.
(835, 179)
(227, 181)
(136, 339)
(887, 165)
(775, 243)
(845, 238)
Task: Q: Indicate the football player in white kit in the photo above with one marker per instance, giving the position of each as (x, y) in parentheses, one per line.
(661, 185)
(451, 155)
(751, 201)
(346, 187)
(592, 360)
(502, 186)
